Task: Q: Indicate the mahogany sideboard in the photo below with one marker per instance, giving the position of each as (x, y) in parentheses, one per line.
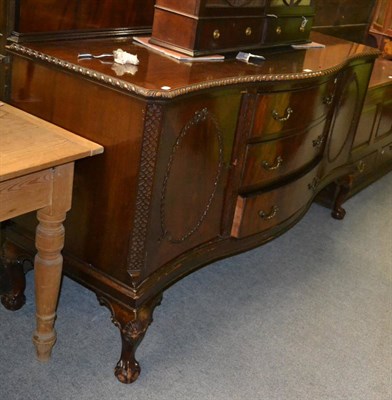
(202, 160)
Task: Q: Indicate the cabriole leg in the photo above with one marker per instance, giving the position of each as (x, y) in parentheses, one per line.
(344, 187)
(14, 281)
(133, 324)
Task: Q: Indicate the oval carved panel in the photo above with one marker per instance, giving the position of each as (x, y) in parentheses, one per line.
(191, 180)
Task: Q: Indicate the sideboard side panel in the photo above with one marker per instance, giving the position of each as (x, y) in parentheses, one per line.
(191, 175)
(98, 225)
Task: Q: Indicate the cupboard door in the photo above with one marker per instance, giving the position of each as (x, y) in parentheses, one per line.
(353, 87)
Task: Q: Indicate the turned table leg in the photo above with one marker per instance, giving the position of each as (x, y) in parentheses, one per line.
(48, 262)
(48, 268)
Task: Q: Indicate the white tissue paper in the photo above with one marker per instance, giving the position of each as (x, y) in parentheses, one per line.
(122, 57)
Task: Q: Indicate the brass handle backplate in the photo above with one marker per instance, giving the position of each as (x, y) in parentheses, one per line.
(314, 184)
(278, 30)
(277, 117)
(303, 24)
(278, 162)
(266, 217)
(248, 31)
(328, 99)
(216, 34)
(361, 166)
(319, 141)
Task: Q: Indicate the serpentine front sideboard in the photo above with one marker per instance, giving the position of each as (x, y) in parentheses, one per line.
(202, 160)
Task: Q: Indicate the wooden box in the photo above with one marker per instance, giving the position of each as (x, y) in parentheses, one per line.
(197, 27)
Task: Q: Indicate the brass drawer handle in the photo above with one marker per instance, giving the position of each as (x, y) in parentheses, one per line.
(278, 30)
(303, 24)
(266, 217)
(216, 34)
(277, 117)
(276, 165)
(328, 99)
(248, 31)
(314, 184)
(319, 141)
(361, 166)
(384, 150)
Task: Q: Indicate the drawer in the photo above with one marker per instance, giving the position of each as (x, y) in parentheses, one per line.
(268, 161)
(282, 30)
(280, 113)
(229, 33)
(254, 214)
(365, 166)
(196, 36)
(386, 153)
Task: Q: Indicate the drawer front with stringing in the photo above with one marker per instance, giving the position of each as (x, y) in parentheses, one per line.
(281, 113)
(269, 161)
(258, 213)
(230, 33)
(364, 167)
(386, 154)
(286, 29)
(196, 36)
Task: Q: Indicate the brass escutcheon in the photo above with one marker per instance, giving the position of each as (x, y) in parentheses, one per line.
(278, 30)
(248, 31)
(216, 34)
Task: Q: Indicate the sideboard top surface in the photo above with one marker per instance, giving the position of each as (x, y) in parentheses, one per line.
(161, 76)
(382, 73)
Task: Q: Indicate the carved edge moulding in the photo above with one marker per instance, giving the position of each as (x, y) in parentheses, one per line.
(169, 94)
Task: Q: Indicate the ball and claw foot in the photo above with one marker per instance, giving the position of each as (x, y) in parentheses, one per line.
(13, 302)
(344, 187)
(127, 371)
(338, 213)
(133, 324)
(12, 275)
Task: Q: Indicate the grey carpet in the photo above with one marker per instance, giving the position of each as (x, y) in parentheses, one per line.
(307, 316)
